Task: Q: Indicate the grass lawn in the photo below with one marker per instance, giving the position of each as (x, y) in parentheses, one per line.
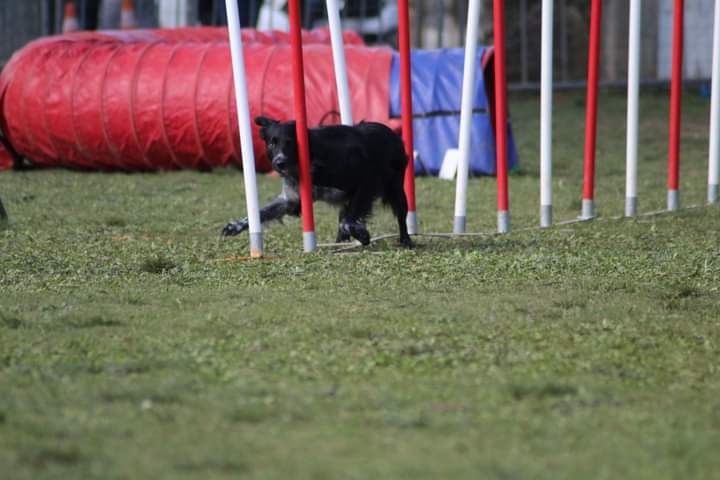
(135, 344)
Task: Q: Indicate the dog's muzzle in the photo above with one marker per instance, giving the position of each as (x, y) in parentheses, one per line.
(279, 162)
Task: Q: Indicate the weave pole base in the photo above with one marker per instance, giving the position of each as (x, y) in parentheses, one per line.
(546, 216)
(673, 200)
(588, 209)
(631, 206)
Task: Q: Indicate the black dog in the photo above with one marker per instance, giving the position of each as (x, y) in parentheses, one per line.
(351, 167)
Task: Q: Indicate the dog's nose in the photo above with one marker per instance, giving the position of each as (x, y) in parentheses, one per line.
(279, 162)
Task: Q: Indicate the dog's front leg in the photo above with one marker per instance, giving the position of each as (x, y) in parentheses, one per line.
(282, 205)
(343, 235)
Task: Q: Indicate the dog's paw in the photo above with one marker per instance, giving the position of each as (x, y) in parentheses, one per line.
(362, 236)
(407, 242)
(235, 228)
(357, 230)
(342, 236)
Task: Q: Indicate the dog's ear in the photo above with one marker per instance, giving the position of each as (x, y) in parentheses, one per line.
(265, 121)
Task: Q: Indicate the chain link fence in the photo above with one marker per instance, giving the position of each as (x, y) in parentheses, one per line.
(21, 22)
(435, 24)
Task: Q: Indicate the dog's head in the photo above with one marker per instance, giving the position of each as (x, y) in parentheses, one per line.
(280, 145)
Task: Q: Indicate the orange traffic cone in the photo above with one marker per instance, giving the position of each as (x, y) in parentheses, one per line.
(127, 15)
(70, 20)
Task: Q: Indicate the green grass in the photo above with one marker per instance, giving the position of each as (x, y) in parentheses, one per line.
(136, 344)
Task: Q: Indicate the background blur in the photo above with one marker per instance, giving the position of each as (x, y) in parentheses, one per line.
(435, 24)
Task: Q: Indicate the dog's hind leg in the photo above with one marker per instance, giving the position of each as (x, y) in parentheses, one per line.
(395, 196)
(358, 210)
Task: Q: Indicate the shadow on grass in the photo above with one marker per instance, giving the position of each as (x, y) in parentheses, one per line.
(212, 465)
(43, 457)
(157, 264)
(75, 321)
(12, 322)
(91, 321)
(542, 390)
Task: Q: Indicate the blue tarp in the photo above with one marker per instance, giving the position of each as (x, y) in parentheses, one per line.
(437, 90)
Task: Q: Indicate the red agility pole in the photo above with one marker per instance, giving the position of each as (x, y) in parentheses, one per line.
(306, 197)
(673, 197)
(588, 208)
(501, 117)
(407, 111)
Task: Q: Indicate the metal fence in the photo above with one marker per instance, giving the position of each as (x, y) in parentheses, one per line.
(435, 24)
(21, 22)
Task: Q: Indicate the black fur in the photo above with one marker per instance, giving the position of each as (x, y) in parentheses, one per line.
(351, 167)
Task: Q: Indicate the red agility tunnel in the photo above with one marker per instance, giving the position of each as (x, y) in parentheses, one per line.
(149, 100)
(209, 34)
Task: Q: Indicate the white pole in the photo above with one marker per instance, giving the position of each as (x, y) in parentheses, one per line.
(243, 113)
(713, 161)
(546, 94)
(633, 100)
(338, 50)
(466, 111)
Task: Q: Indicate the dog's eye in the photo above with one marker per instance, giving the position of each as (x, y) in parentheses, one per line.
(273, 141)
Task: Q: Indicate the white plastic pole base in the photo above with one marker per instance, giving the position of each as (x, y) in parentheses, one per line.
(411, 222)
(256, 245)
(503, 221)
(546, 216)
(673, 200)
(588, 210)
(459, 225)
(631, 206)
(712, 194)
(309, 242)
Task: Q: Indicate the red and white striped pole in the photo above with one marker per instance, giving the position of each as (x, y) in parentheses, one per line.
(673, 196)
(407, 111)
(503, 202)
(306, 197)
(588, 207)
